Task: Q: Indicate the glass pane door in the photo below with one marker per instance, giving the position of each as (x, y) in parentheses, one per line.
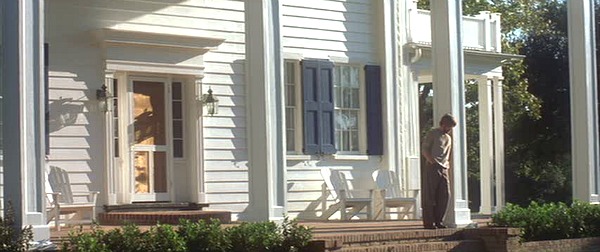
(150, 162)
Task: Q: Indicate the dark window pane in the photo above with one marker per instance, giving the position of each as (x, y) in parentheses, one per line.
(115, 87)
(177, 129)
(178, 148)
(177, 110)
(116, 147)
(176, 91)
(290, 140)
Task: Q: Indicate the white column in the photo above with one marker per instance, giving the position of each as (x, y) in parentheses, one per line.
(499, 143)
(196, 143)
(584, 114)
(448, 84)
(23, 117)
(265, 111)
(486, 144)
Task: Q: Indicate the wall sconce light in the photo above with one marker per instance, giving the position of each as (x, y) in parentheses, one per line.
(211, 102)
(102, 95)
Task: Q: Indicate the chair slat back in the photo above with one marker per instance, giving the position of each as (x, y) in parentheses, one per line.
(386, 179)
(59, 182)
(335, 181)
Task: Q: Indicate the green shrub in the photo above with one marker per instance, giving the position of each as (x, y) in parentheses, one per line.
(255, 236)
(194, 236)
(11, 239)
(551, 221)
(163, 238)
(127, 238)
(268, 236)
(295, 236)
(203, 236)
(81, 241)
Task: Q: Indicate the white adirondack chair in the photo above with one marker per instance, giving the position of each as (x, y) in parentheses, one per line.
(346, 196)
(405, 201)
(61, 200)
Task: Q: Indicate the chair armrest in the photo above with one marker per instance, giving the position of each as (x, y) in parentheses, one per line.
(368, 193)
(91, 195)
(411, 193)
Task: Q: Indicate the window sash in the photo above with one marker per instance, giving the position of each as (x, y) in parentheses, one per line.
(349, 106)
(293, 106)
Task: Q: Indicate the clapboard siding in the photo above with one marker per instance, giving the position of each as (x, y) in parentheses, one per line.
(322, 29)
(224, 199)
(76, 71)
(225, 176)
(225, 166)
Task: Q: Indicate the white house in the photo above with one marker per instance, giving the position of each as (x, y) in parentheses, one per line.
(300, 85)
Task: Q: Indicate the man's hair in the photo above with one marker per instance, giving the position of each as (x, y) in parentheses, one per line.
(448, 119)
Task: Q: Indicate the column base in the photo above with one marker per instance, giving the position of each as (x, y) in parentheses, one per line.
(487, 210)
(461, 215)
(40, 232)
(257, 213)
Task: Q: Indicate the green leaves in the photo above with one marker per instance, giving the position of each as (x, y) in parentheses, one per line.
(12, 239)
(551, 221)
(194, 236)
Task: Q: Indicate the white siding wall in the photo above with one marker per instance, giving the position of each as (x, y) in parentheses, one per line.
(343, 29)
(76, 71)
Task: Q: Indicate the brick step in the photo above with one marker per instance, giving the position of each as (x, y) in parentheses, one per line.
(164, 217)
(155, 206)
(365, 226)
(365, 229)
(352, 238)
(462, 245)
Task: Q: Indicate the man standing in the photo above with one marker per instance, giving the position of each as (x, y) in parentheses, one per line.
(436, 149)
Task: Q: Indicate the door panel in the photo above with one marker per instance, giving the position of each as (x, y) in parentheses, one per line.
(149, 113)
(151, 159)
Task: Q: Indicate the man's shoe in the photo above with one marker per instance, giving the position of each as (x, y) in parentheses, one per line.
(440, 225)
(430, 227)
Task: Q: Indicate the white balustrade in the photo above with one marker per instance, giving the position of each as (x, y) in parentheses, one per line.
(480, 32)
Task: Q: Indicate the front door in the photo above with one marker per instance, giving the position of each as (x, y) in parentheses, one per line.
(150, 152)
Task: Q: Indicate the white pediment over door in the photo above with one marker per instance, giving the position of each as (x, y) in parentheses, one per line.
(137, 51)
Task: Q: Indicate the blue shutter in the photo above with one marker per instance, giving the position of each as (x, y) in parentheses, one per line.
(327, 108)
(311, 107)
(317, 90)
(374, 110)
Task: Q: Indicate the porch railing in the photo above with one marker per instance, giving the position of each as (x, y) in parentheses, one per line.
(480, 32)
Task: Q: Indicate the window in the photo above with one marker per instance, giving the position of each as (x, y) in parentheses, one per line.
(290, 105)
(177, 102)
(347, 103)
(115, 116)
(336, 107)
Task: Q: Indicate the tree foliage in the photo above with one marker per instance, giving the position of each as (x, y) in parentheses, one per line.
(536, 99)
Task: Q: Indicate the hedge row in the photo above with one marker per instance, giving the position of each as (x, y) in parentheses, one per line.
(194, 236)
(551, 221)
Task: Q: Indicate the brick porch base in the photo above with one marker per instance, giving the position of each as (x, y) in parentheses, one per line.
(163, 217)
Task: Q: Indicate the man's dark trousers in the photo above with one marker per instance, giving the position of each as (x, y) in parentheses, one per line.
(436, 193)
